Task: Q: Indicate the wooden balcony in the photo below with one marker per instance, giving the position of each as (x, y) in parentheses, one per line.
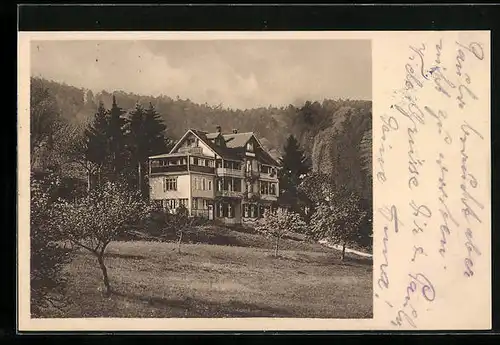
(229, 172)
(192, 150)
(200, 213)
(268, 197)
(204, 169)
(169, 168)
(268, 177)
(252, 196)
(229, 194)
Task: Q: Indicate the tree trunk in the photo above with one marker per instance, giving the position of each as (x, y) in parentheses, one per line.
(105, 278)
(89, 176)
(179, 242)
(99, 177)
(139, 184)
(343, 251)
(276, 247)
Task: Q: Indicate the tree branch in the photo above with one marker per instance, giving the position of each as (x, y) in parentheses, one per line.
(84, 246)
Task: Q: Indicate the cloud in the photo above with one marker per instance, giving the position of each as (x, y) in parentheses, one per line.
(239, 74)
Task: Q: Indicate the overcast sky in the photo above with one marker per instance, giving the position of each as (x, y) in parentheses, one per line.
(238, 74)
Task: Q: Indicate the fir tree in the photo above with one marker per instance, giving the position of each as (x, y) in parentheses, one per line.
(155, 132)
(96, 147)
(145, 131)
(116, 139)
(294, 166)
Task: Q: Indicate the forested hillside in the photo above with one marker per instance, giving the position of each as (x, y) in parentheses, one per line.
(335, 134)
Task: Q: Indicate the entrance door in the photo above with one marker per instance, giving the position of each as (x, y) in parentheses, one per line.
(210, 212)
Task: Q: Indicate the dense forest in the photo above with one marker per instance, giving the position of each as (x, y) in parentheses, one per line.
(335, 134)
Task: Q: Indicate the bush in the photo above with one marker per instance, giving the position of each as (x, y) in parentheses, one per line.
(48, 256)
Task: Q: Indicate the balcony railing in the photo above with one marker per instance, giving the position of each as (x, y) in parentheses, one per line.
(254, 174)
(200, 168)
(169, 168)
(194, 150)
(199, 213)
(252, 195)
(268, 176)
(229, 172)
(269, 197)
(229, 193)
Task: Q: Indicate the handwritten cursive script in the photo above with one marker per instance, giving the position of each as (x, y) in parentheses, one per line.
(433, 114)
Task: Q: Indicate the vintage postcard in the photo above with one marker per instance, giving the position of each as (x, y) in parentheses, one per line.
(254, 181)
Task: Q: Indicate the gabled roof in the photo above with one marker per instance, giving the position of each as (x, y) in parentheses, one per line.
(212, 135)
(235, 140)
(235, 145)
(221, 151)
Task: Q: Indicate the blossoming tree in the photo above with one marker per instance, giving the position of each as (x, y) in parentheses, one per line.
(278, 223)
(94, 221)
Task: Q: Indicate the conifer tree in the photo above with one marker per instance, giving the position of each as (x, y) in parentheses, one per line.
(146, 137)
(116, 140)
(96, 148)
(294, 166)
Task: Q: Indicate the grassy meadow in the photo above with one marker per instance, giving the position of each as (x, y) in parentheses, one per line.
(221, 273)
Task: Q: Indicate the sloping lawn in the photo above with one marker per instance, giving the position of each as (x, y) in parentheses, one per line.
(207, 280)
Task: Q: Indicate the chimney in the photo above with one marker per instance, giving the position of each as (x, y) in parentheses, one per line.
(235, 131)
(218, 129)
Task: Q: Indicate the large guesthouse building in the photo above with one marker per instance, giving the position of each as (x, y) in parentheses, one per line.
(226, 177)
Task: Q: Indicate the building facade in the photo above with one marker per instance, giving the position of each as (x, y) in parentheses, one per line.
(226, 177)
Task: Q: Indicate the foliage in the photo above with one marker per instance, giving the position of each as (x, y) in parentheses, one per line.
(48, 256)
(92, 222)
(145, 134)
(294, 167)
(116, 140)
(49, 131)
(279, 223)
(94, 148)
(180, 222)
(338, 212)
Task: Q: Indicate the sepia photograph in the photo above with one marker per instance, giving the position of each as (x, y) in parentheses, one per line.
(201, 178)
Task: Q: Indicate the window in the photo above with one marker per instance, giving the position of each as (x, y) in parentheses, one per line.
(230, 211)
(268, 188)
(266, 169)
(201, 183)
(249, 146)
(245, 211)
(173, 204)
(272, 189)
(169, 184)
